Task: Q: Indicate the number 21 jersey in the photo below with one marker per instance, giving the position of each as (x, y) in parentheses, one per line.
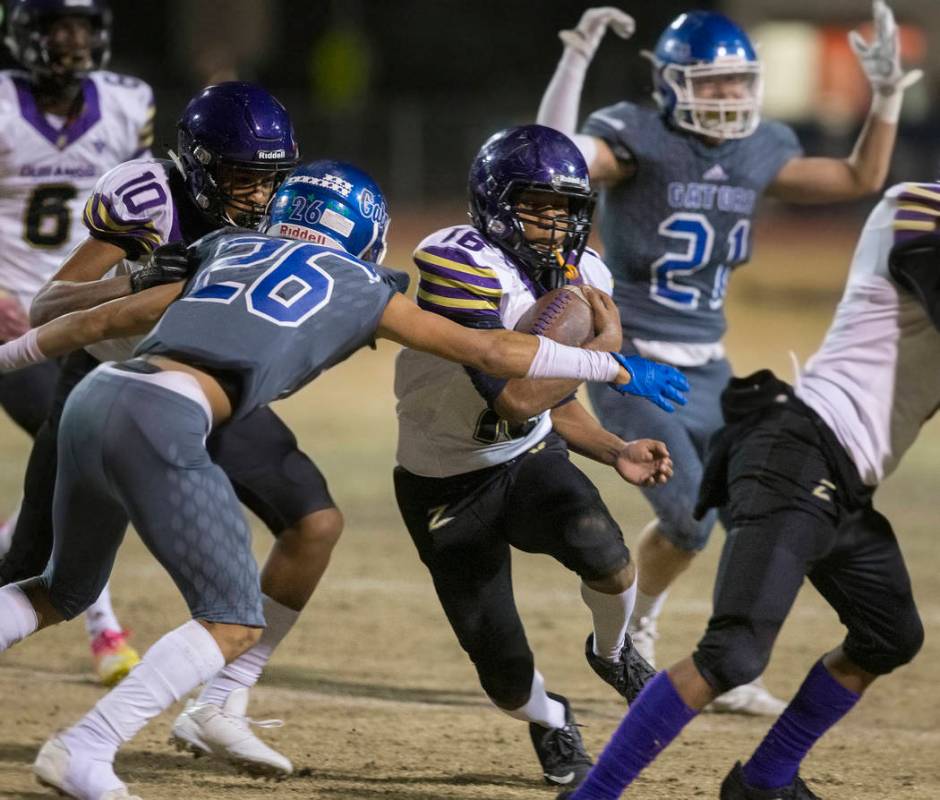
(48, 166)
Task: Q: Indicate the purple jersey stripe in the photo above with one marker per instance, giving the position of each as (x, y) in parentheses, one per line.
(444, 311)
(457, 275)
(455, 292)
(117, 219)
(916, 216)
(458, 254)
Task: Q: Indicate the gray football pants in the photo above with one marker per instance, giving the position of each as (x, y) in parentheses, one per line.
(131, 448)
(686, 433)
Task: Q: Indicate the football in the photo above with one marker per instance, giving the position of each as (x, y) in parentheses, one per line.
(563, 315)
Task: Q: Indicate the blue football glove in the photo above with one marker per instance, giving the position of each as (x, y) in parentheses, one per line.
(658, 383)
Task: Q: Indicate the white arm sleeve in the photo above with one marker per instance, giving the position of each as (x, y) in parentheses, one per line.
(559, 106)
(21, 352)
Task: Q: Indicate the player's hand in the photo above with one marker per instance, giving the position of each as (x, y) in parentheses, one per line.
(608, 332)
(592, 26)
(881, 58)
(14, 321)
(167, 264)
(644, 462)
(659, 383)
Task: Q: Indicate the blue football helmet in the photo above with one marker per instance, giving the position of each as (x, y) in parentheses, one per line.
(706, 76)
(334, 204)
(28, 23)
(235, 134)
(520, 177)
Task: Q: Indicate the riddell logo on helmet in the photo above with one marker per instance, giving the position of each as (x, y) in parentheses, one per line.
(272, 155)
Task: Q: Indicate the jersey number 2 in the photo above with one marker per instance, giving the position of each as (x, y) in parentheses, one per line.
(696, 232)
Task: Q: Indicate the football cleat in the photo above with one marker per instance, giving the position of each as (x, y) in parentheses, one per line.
(644, 637)
(56, 768)
(734, 787)
(205, 729)
(628, 676)
(561, 752)
(113, 657)
(752, 699)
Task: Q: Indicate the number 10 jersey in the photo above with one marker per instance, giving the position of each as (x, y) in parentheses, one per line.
(48, 167)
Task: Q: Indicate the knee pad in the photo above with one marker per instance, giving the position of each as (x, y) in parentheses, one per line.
(733, 655)
(595, 546)
(507, 680)
(888, 649)
(684, 532)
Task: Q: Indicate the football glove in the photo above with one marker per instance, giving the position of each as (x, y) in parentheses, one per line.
(167, 264)
(661, 384)
(592, 26)
(881, 59)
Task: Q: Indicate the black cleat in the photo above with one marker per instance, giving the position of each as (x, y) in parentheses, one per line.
(561, 752)
(628, 676)
(734, 787)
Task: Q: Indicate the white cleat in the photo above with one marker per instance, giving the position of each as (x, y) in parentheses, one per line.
(204, 729)
(644, 637)
(81, 777)
(752, 699)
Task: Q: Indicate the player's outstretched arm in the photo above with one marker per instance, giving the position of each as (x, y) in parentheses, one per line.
(562, 98)
(822, 180)
(522, 399)
(167, 264)
(78, 283)
(126, 316)
(500, 353)
(644, 462)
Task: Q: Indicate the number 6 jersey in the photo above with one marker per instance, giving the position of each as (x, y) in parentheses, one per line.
(49, 165)
(446, 423)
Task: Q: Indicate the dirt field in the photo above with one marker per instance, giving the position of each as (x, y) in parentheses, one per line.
(379, 700)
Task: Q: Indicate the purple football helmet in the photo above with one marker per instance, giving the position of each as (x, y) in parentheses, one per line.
(520, 178)
(28, 36)
(232, 135)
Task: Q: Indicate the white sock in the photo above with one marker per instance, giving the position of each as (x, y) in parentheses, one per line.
(7, 529)
(244, 671)
(100, 615)
(540, 708)
(611, 614)
(648, 607)
(172, 668)
(17, 616)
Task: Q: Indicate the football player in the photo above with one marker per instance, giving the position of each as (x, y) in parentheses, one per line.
(65, 122)
(483, 462)
(235, 144)
(797, 468)
(261, 317)
(679, 185)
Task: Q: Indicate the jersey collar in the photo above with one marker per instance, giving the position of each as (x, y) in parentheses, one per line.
(74, 128)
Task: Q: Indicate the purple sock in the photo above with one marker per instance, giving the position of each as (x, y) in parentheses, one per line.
(819, 704)
(655, 718)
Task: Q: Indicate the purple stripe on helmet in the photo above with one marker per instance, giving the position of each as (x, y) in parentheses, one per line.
(456, 292)
(74, 129)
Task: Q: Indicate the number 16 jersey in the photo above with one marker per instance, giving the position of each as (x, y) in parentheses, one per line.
(48, 167)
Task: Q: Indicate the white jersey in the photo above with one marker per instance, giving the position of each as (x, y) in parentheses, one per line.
(876, 378)
(47, 169)
(132, 206)
(445, 425)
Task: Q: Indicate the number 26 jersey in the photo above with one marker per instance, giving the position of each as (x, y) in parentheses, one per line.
(48, 167)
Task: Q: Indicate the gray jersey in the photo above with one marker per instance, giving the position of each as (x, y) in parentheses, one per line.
(673, 233)
(271, 313)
